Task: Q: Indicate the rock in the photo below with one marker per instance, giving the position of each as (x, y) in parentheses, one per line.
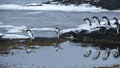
(106, 4)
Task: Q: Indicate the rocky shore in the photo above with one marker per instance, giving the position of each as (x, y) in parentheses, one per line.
(102, 35)
(105, 4)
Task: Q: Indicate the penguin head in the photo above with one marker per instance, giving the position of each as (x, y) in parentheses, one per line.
(95, 17)
(115, 19)
(104, 17)
(56, 27)
(28, 30)
(86, 19)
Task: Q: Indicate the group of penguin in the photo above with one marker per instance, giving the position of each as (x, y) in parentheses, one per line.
(116, 54)
(107, 22)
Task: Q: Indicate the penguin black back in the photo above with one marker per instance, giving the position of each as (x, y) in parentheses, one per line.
(88, 21)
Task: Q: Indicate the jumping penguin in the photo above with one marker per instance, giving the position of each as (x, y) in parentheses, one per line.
(117, 24)
(57, 31)
(107, 22)
(96, 20)
(30, 34)
(87, 54)
(96, 55)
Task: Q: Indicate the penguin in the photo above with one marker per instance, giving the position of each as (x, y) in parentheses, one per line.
(107, 22)
(87, 54)
(117, 24)
(57, 31)
(96, 20)
(88, 21)
(30, 34)
(96, 55)
(116, 54)
(106, 55)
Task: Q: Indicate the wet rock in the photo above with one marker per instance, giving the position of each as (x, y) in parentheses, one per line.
(48, 2)
(106, 4)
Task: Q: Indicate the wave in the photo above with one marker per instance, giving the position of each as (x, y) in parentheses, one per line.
(14, 36)
(73, 8)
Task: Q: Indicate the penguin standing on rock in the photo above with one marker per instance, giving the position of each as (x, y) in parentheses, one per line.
(96, 20)
(88, 21)
(107, 22)
(30, 34)
(57, 31)
(117, 24)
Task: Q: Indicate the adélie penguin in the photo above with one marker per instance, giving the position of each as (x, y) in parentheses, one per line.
(117, 24)
(96, 20)
(57, 31)
(107, 22)
(30, 34)
(88, 21)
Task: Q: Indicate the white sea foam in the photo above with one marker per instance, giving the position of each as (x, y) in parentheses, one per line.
(43, 29)
(14, 36)
(34, 12)
(13, 29)
(80, 8)
(16, 29)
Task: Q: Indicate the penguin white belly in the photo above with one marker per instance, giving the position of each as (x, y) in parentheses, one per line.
(96, 21)
(106, 22)
(88, 22)
(57, 33)
(30, 35)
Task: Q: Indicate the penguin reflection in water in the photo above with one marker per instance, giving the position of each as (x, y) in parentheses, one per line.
(57, 31)
(57, 46)
(96, 55)
(116, 53)
(106, 55)
(87, 54)
(30, 34)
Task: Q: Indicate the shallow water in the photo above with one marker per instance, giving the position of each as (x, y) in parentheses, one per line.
(69, 55)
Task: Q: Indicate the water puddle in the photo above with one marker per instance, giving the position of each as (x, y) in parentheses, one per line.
(65, 54)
